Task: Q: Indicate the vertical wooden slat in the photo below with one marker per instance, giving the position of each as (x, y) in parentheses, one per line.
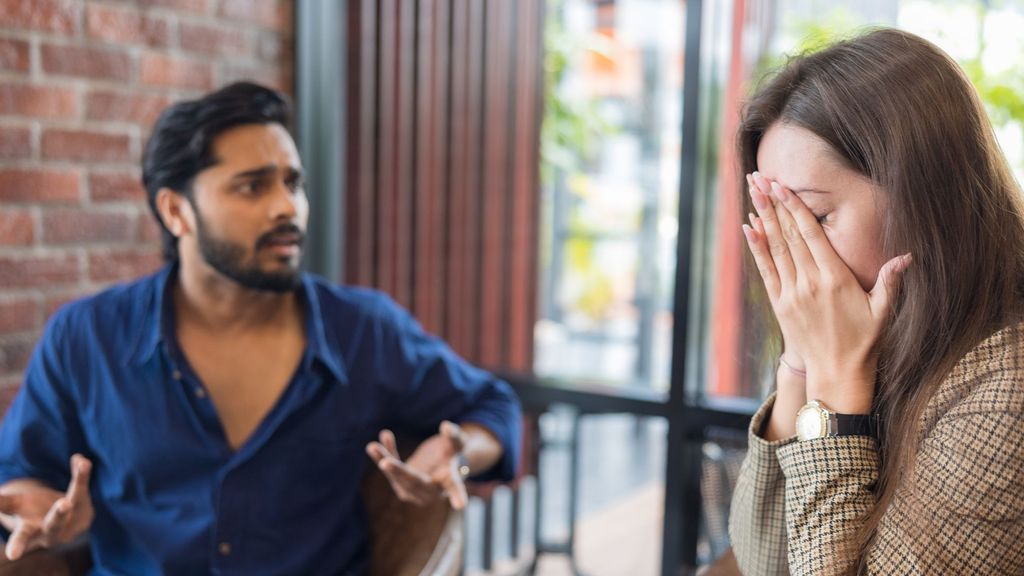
(360, 156)
(521, 317)
(458, 189)
(467, 89)
(442, 167)
(405, 165)
(440, 152)
(537, 96)
(431, 77)
(387, 148)
(494, 191)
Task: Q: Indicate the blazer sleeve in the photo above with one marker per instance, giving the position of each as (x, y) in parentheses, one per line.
(960, 510)
(757, 523)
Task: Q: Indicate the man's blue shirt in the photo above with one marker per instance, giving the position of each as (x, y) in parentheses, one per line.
(108, 380)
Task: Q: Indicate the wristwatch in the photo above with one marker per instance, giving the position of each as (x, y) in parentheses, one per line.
(462, 464)
(815, 420)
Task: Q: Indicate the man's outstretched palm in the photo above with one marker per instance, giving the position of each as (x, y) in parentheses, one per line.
(41, 517)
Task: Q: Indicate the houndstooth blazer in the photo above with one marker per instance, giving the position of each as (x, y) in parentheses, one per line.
(960, 510)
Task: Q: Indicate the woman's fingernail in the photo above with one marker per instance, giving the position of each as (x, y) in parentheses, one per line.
(749, 233)
(753, 219)
(778, 191)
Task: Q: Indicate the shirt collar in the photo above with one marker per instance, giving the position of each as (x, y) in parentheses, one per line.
(150, 333)
(160, 315)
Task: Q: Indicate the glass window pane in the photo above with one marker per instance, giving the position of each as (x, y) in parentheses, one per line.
(729, 352)
(610, 177)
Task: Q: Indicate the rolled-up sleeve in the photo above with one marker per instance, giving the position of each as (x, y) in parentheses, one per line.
(40, 432)
(426, 382)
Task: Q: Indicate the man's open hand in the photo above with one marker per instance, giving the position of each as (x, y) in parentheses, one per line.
(41, 517)
(432, 472)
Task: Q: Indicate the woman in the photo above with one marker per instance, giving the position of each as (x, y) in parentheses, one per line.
(889, 237)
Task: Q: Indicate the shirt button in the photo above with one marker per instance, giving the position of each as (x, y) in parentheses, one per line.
(224, 548)
(200, 393)
(176, 375)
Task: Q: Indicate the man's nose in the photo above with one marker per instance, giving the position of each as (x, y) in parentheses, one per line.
(285, 202)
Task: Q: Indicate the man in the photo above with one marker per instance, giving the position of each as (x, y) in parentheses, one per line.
(214, 417)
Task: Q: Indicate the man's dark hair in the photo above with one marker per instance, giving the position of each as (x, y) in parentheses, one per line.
(182, 140)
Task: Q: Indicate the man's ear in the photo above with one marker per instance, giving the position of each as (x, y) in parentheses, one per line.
(175, 211)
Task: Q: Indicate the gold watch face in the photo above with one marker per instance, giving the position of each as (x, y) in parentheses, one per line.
(811, 421)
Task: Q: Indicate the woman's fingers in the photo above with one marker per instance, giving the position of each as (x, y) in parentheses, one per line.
(763, 260)
(803, 261)
(777, 246)
(810, 230)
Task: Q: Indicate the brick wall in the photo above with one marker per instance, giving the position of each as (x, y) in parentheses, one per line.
(81, 82)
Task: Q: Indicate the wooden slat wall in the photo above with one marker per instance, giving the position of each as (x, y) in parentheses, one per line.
(442, 166)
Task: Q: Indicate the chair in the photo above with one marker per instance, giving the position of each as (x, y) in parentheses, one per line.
(405, 540)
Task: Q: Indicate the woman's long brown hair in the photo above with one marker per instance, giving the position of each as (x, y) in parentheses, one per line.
(899, 111)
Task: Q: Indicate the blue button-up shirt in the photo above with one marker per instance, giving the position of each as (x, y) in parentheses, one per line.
(108, 380)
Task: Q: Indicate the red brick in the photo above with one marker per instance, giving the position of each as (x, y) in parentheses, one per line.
(38, 101)
(13, 55)
(119, 106)
(123, 26)
(67, 226)
(275, 48)
(8, 391)
(19, 315)
(47, 15)
(55, 302)
(123, 265)
(215, 40)
(84, 145)
(16, 227)
(16, 353)
(15, 143)
(272, 14)
(39, 186)
(87, 62)
(276, 78)
(37, 271)
(149, 230)
(200, 6)
(168, 71)
(115, 186)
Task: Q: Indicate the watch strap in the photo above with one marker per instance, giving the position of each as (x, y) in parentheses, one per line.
(856, 425)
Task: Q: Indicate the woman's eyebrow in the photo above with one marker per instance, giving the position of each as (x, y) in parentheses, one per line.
(808, 191)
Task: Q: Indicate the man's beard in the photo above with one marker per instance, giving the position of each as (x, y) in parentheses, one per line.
(227, 258)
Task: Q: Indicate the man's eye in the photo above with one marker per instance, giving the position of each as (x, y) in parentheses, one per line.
(250, 187)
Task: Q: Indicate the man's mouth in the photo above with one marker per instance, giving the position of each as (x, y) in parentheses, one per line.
(284, 243)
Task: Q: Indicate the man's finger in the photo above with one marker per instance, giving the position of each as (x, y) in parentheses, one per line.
(453, 432)
(455, 488)
(20, 539)
(376, 451)
(57, 515)
(78, 489)
(387, 438)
